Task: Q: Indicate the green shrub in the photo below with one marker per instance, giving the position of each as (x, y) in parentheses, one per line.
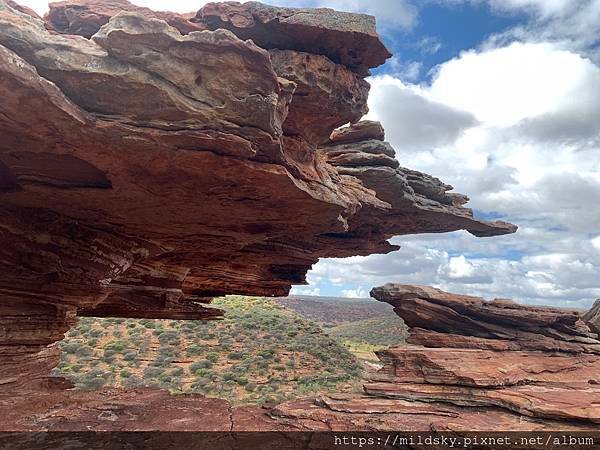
(203, 364)
(166, 352)
(117, 346)
(162, 361)
(202, 372)
(164, 378)
(84, 351)
(194, 350)
(130, 355)
(152, 372)
(267, 353)
(70, 347)
(229, 376)
(133, 382)
(95, 333)
(177, 372)
(235, 355)
(171, 337)
(92, 383)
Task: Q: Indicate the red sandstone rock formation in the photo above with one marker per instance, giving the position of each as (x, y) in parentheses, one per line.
(592, 317)
(345, 38)
(23, 9)
(376, 413)
(146, 168)
(538, 362)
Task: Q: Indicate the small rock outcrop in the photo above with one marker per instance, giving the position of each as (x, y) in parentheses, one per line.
(344, 38)
(537, 362)
(151, 161)
(592, 317)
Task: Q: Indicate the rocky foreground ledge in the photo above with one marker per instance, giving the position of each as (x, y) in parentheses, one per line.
(470, 365)
(151, 161)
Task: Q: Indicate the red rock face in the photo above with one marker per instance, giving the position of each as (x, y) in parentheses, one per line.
(379, 413)
(592, 317)
(86, 17)
(118, 409)
(145, 168)
(344, 38)
(23, 9)
(542, 363)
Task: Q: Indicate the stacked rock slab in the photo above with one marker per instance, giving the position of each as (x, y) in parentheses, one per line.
(150, 162)
(537, 362)
(592, 317)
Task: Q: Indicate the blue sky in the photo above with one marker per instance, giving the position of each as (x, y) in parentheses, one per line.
(501, 99)
(512, 86)
(441, 31)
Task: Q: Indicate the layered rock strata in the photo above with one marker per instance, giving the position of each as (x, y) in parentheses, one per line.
(151, 161)
(541, 363)
(592, 317)
(145, 410)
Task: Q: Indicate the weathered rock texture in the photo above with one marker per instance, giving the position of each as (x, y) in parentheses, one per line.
(592, 317)
(377, 413)
(541, 363)
(151, 410)
(345, 38)
(86, 17)
(146, 166)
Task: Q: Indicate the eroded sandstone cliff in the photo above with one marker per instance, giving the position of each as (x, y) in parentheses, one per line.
(151, 161)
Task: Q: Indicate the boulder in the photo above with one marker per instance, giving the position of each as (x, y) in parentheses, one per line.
(592, 317)
(345, 38)
(86, 17)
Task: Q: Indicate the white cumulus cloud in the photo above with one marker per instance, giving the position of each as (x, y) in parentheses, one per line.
(516, 128)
